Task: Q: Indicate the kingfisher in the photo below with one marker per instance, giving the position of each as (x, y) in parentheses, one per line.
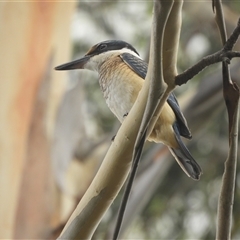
(121, 73)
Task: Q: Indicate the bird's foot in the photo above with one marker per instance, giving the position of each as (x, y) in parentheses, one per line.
(113, 138)
(115, 135)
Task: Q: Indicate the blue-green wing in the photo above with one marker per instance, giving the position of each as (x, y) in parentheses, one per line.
(140, 68)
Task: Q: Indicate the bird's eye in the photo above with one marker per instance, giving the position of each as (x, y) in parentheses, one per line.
(102, 47)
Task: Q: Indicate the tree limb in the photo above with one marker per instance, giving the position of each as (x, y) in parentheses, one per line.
(231, 96)
(226, 198)
(157, 89)
(154, 75)
(225, 53)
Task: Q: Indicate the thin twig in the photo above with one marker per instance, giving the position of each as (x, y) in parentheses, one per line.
(233, 38)
(219, 18)
(207, 61)
(128, 188)
(217, 57)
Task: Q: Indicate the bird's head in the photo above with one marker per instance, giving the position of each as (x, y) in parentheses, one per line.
(99, 53)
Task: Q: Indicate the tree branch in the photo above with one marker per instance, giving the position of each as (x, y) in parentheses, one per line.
(219, 18)
(207, 61)
(155, 68)
(233, 38)
(226, 197)
(217, 57)
(157, 93)
(231, 97)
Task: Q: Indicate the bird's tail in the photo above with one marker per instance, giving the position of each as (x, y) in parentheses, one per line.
(185, 159)
(187, 163)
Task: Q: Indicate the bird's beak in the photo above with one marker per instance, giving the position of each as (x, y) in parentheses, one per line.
(77, 64)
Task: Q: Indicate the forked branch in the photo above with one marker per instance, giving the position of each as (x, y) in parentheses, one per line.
(224, 54)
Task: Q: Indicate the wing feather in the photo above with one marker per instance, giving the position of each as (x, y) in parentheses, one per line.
(140, 67)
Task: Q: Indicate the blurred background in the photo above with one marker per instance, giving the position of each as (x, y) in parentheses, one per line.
(56, 127)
